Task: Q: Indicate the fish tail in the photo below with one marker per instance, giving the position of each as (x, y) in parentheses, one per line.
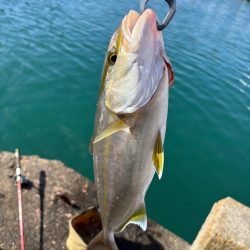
(103, 241)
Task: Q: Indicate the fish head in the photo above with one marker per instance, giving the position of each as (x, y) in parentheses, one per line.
(134, 63)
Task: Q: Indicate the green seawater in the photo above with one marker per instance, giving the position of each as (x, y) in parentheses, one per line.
(51, 57)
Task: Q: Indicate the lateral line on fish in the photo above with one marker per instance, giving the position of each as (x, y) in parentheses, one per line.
(107, 144)
(114, 127)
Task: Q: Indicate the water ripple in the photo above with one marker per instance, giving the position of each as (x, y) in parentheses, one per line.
(51, 61)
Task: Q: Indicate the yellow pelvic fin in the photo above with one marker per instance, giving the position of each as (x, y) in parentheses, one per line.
(158, 155)
(114, 127)
(139, 218)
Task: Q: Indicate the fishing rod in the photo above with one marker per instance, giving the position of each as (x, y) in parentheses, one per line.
(19, 196)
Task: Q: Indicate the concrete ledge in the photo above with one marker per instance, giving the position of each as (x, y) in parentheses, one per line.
(56, 193)
(53, 195)
(227, 227)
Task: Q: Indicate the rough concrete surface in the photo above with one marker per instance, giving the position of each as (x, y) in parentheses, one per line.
(53, 194)
(226, 228)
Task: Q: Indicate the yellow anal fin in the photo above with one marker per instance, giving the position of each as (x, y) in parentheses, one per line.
(114, 127)
(158, 155)
(139, 218)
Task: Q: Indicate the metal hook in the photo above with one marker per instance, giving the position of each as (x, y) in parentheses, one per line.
(169, 16)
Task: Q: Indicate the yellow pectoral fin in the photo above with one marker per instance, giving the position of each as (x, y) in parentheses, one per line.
(114, 127)
(139, 218)
(158, 155)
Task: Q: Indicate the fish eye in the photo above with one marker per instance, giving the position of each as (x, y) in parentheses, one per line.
(112, 56)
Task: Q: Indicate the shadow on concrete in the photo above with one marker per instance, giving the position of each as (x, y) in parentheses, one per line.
(124, 244)
(42, 186)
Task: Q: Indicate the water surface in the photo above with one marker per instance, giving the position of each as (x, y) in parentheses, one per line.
(51, 56)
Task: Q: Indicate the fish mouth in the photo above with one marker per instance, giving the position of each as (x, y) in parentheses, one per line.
(136, 27)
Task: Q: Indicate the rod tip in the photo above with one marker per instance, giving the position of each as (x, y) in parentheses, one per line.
(17, 153)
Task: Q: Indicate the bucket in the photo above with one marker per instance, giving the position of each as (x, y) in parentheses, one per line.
(83, 228)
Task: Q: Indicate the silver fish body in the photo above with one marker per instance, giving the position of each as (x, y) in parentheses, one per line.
(123, 158)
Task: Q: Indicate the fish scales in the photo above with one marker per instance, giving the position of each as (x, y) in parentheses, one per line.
(126, 129)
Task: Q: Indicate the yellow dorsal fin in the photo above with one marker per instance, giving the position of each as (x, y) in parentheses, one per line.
(114, 127)
(158, 155)
(139, 218)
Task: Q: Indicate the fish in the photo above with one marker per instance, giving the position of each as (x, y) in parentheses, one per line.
(130, 124)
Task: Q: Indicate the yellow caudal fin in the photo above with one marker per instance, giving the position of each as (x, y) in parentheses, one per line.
(158, 155)
(139, 218)
(114, 127)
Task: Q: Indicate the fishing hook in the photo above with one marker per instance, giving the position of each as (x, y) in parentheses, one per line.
(168, 17)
